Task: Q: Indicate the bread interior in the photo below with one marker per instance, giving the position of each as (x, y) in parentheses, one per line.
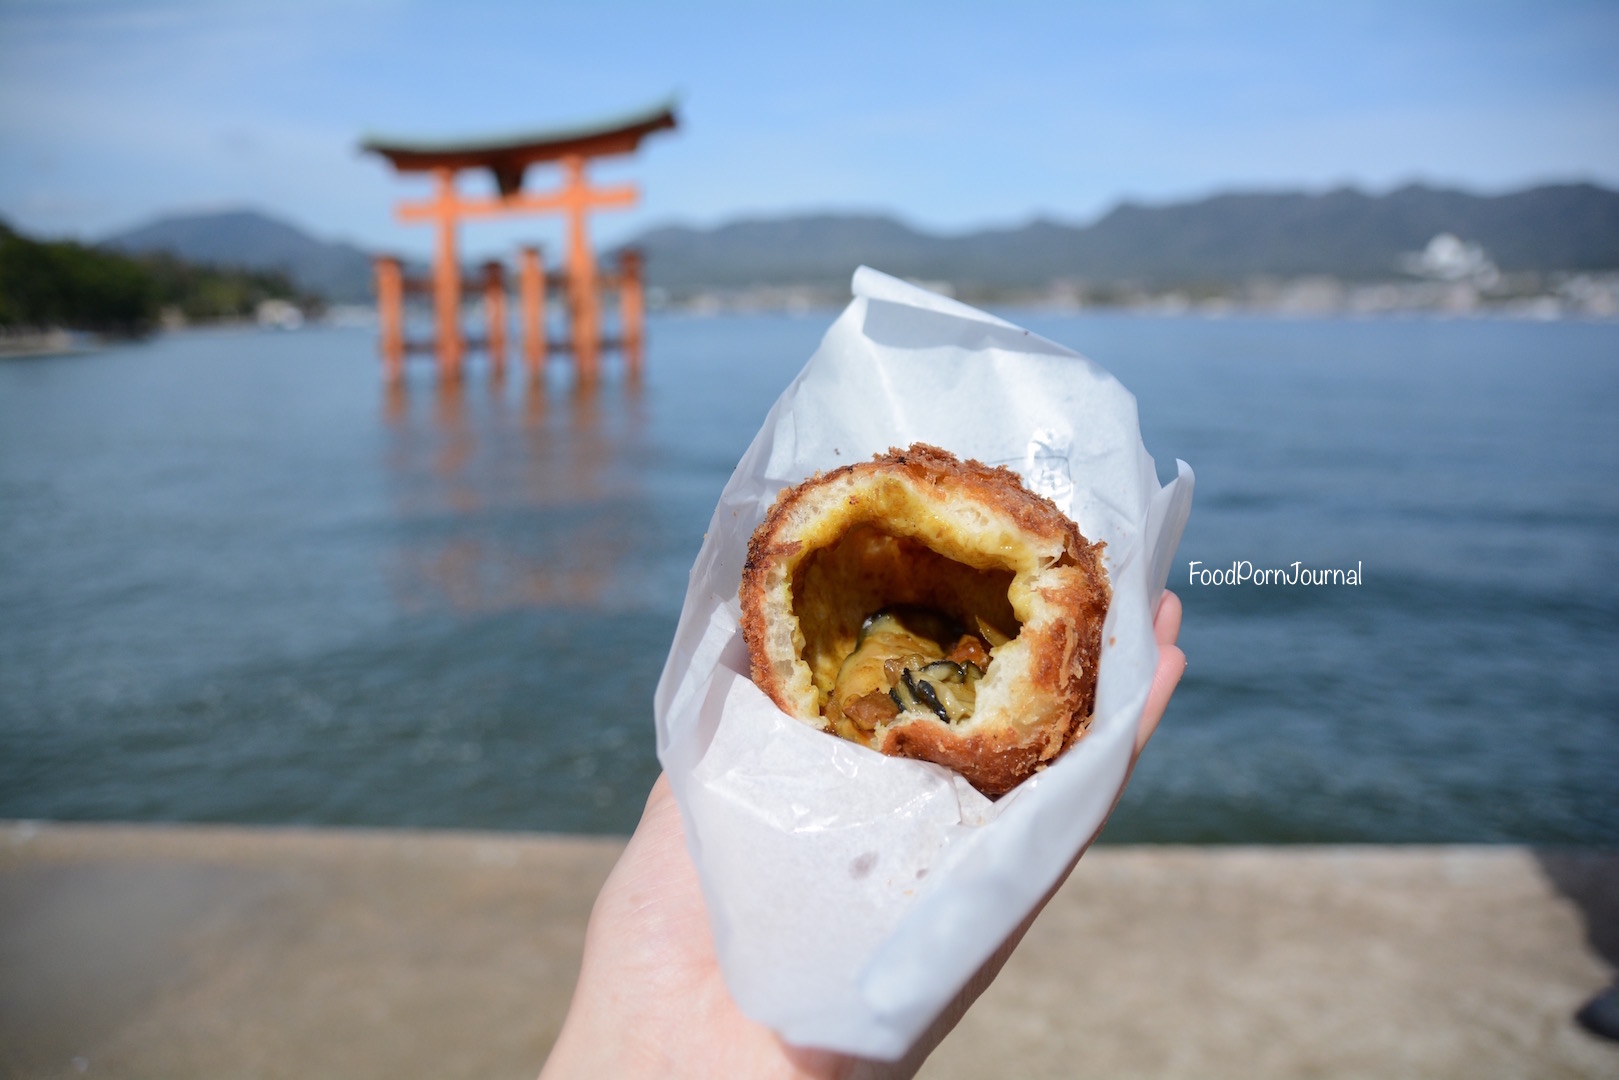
(836, 587)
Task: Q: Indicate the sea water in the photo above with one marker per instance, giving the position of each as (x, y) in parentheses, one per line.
(241, 580)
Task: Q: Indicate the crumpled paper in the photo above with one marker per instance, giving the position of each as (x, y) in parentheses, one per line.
(851, 894)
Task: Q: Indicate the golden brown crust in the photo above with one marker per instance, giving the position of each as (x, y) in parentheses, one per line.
(919, 526)
(993, 766)
(999, 487)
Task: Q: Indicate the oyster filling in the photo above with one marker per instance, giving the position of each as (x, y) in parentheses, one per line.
(908, 659)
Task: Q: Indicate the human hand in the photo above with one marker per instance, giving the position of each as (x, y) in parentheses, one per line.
(651, 1000)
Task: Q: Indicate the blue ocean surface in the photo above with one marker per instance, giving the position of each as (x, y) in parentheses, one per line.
(243, 581)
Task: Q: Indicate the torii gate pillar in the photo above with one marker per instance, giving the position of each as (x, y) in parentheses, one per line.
(447, 280)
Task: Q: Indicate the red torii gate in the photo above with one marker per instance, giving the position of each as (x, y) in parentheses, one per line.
(508, 159)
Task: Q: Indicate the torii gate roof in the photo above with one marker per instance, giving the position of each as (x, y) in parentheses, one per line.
(507, 156)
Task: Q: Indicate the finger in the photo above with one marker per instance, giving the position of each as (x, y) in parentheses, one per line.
(1166, 625)
(1171, 665)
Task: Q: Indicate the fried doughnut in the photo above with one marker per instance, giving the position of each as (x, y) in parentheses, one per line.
(930, 608)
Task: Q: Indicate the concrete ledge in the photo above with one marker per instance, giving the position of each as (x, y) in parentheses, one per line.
(143, 951)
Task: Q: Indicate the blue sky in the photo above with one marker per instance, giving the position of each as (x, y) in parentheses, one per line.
(952, 116)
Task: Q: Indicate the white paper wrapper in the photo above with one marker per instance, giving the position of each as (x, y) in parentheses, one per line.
(852, 894)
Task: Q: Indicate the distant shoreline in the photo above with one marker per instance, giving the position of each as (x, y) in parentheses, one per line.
(1582, 296)
(45, 343)
(822, 303)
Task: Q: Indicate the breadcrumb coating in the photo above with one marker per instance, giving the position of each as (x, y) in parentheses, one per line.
(921, 527)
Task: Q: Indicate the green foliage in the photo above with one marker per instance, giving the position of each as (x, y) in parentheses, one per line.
(45, 284)
(205, 293)
(68, 285)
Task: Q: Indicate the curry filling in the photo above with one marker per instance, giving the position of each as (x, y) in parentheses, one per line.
(892, 628)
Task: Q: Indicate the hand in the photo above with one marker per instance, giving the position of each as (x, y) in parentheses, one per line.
(651, 1001)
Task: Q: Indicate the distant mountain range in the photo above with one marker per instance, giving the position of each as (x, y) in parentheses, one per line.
(1345, 233)
(249, 240)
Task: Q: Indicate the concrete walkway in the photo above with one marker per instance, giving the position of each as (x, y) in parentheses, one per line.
(222, 952)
